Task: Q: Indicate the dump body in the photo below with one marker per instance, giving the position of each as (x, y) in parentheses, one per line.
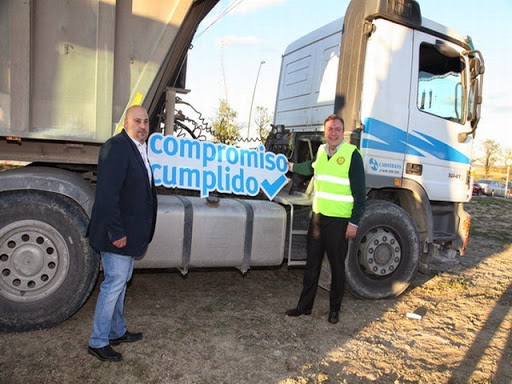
(69, 71)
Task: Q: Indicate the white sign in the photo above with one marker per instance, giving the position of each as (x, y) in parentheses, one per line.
(204, 166)
(384, 167)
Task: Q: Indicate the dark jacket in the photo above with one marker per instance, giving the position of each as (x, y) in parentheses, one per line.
(125, 202)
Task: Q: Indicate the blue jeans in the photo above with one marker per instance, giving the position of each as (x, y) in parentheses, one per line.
(109, 322)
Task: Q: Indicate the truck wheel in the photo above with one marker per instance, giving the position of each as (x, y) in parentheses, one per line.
(383, 258)
(47, 269)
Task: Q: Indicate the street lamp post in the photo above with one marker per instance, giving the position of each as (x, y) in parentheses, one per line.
(508, 163)
(253, 94)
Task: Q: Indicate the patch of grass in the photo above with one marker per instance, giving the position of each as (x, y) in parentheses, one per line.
(456, 283)
(491, 218)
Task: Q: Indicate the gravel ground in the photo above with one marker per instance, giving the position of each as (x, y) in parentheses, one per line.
(220, 327)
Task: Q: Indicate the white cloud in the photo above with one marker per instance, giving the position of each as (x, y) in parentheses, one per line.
(227, 40)
(247, 6)
(496, 102)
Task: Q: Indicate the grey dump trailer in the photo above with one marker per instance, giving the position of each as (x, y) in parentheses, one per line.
(68, 71)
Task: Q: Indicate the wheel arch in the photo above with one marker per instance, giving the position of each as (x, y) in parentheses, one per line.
(51, 180)
(412, 197)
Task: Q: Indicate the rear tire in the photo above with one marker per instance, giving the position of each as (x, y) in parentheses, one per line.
(47, 269)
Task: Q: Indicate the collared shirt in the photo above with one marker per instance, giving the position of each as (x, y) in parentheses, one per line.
(143, 150)
(336, 150)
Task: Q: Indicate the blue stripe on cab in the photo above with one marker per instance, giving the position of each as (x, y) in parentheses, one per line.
(392, 139)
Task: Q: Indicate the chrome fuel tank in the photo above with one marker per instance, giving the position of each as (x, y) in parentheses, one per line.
(191, 233)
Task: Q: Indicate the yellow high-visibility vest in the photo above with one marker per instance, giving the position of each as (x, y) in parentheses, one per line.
(333, 195)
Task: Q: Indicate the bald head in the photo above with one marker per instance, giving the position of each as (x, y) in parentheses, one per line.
(136, 123)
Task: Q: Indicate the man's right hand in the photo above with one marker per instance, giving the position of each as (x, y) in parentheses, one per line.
(120, 243)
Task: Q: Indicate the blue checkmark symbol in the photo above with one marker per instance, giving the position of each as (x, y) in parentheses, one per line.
(271, 189)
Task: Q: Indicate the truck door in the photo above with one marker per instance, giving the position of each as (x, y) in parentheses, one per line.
(435, 158)
(385, 101)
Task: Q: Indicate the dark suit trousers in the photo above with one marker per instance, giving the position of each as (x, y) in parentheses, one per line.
(325, 235)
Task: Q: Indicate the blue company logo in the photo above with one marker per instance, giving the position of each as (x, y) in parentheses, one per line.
(204, 166)
(389, 168)
(374, 164)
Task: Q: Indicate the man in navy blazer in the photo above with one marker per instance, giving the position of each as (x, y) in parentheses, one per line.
(122, 225)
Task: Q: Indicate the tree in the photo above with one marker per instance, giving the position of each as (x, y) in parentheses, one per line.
(491, 150)
(263, 118)
(225, 129)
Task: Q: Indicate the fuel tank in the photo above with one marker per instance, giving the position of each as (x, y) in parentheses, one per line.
(192, 232)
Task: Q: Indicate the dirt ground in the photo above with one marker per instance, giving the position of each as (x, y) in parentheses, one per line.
(220, 327)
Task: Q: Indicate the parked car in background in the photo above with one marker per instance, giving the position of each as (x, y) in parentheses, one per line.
(477, 189)
(492, 187)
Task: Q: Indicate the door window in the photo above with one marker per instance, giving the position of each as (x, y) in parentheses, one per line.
(440, 90)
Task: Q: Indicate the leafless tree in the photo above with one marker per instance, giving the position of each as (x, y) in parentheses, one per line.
(491, 154)
(225, 128)
(263, 118)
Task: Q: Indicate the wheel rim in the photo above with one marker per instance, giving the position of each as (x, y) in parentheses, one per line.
(379, 252)
(34, 260)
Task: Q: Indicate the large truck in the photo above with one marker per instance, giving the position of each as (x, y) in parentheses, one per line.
(409, 91)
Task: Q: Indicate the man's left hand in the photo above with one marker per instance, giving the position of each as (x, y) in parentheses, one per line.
(351, 231)
(120, 243)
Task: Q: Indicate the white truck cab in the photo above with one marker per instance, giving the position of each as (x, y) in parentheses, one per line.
(409, 91)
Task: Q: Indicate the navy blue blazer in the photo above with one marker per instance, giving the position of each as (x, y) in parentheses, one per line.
(125, 203)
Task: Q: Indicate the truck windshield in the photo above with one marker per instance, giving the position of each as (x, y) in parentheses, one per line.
(440, 90)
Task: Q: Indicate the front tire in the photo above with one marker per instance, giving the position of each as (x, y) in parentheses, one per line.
(384, 257)
(47, 269)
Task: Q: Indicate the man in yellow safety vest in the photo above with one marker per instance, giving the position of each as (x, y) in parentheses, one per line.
(338, 204)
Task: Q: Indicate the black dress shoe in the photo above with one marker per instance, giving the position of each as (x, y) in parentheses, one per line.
(297, 311)
(128, 337)
(333, 317)
(105, 353)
